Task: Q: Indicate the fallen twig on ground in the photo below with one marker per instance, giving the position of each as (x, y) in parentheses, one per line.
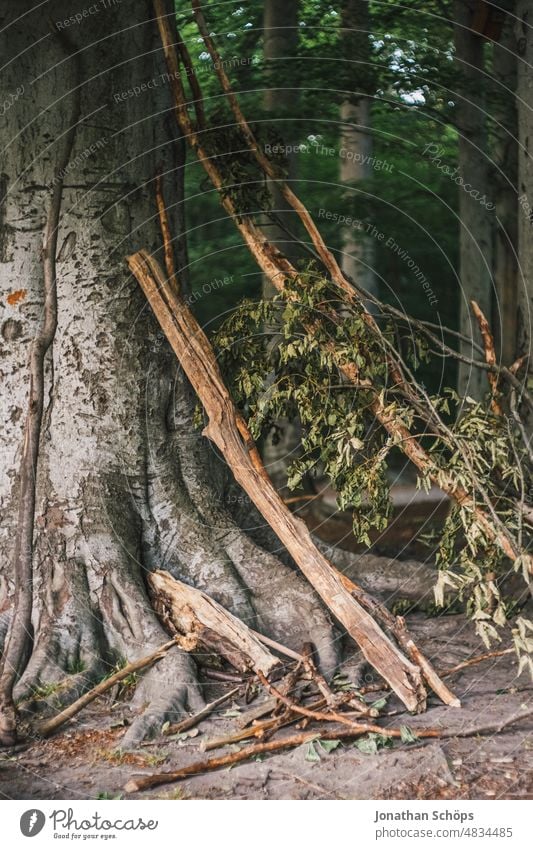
(145, 782)
(474, 660)
(191, 721)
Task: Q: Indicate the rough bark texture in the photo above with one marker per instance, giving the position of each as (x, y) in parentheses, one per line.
(524, 48)
(124, 482)
(475, 246)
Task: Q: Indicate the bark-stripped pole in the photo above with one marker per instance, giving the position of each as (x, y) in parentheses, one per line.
(19, 637)
(228, 430)
(273, 263)
(490, 356)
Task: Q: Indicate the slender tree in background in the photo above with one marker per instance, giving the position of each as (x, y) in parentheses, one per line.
(524, 48)
(475, 264)
(356, 142)
(280, 101)
(504, 186)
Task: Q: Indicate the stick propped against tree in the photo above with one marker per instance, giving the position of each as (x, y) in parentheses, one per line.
(228, 430)
(472, 497)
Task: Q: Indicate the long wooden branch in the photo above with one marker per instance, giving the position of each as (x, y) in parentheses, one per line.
(228, 430)
(279, 269)
(145, 782)
(18, 640)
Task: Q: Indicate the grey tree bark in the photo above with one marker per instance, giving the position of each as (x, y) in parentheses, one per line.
(280, 42)
(524, 49)
(475, 264)
(356, 141)
(505, 183)
(124, 483)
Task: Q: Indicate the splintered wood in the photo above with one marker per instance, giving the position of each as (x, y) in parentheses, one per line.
(203, 623)
(228, 430)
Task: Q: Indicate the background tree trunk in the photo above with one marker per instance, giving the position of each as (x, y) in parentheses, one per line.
(505, 172)
(524, 48)
(125, 482)
(475, 263)
(280, 100)
(356, 138)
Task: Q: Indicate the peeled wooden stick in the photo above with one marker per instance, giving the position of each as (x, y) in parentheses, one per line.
(47, 727)
(278, 268)
(228, 430)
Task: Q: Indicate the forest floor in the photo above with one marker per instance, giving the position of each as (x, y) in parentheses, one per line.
(83, 761)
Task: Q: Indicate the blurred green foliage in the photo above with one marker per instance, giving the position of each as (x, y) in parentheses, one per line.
(408, 199)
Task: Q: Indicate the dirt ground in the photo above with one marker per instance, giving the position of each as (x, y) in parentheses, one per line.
(82, 762)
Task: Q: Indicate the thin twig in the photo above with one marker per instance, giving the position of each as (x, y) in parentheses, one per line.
(145, 782)
(475, 660)
(50, 725)
(490, 356)
(191, 721)
(331, 716)
(166, 233)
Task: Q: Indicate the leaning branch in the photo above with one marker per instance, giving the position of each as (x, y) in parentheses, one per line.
(228, 430)
(278, 268)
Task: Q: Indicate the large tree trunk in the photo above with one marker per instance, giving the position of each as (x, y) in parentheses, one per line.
(475, 263)
(524, 47)
(124, 483)
(356, 140)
